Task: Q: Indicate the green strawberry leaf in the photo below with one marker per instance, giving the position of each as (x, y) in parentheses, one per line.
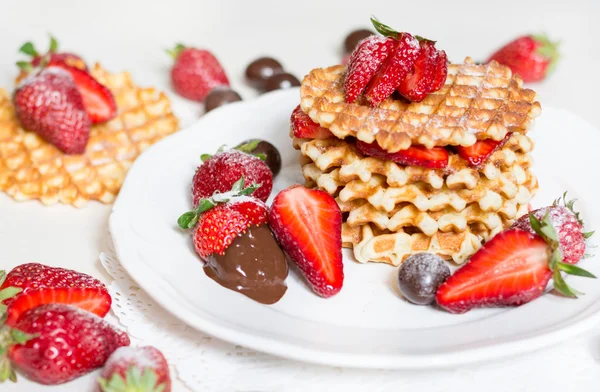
(205, 157)
(53, 45)
(574, 270)
(383, 29)
(176, 51)
(29, 49)
(9, 292)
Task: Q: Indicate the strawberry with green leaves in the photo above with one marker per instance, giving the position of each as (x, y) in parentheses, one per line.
(217, 220)
(398, 61)
(220, 171)
(53, 55)
(515, 266)
(533, 57)
(56, 343)
(135, 369)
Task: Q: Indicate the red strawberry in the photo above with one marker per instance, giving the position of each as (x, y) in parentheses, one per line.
(220, 171)
(41, 284)
(219, 219)
(511, 269)
(196, 72)
(533, 57)
(433, 158)
(50, 104)
(142, 369)
(56, 343)
(568, 225)
(394, 70)
(98, 100)
(419, 82)
(305, 128)
(441, 71)
(53, 56)
(479, 152)
(365, 61)
(307, 224)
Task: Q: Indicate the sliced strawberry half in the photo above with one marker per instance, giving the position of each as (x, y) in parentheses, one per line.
(478, 153)
(36, 284)
(511, 269)
(98, 100)
(308, 225)
(305, 128)
(365, 61)
(394, 70)
(93, 300)
(441, 72)
(433, 158)
(418, 84)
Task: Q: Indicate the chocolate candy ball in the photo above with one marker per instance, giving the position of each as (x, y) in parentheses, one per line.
(262, 69)
(273, 158)
(354, 38)
(281, 81)
(420, 276)
(220, 96)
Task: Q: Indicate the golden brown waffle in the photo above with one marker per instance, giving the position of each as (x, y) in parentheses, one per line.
(477, 102)
(32, 169)
(392, 211)
(372, 245)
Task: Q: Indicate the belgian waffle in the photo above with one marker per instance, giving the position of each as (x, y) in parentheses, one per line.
(372, 245)
(392, 211)
(477, 102)
(32, 169)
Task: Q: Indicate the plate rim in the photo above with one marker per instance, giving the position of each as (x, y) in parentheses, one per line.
(456, 357)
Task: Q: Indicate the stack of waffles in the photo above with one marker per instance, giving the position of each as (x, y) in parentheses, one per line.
(392, 211)
(33, 169)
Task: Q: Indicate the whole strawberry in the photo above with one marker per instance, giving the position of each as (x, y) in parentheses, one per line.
(220, 171)
(50, 104)
(196, 72)
(533, 57)
(397, 61)
(141, 369)
(56, 343)
(568, 225)
(40, 284)
(52, 56)
(217, 220)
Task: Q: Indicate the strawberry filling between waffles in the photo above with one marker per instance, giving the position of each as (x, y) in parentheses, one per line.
(416, 155)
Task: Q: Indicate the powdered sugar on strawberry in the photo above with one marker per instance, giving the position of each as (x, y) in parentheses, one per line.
(569, 230)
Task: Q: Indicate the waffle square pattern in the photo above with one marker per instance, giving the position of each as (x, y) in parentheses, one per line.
(32, 169)
(392, 211)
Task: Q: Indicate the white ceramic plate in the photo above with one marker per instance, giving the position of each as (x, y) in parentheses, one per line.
(367, 324)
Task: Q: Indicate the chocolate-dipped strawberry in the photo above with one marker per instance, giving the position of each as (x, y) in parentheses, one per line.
(232, 237)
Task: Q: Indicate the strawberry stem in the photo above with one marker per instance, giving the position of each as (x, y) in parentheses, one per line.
(25, 66)
(249, 147)
(176, 51)
(9, 337)
(549, 50)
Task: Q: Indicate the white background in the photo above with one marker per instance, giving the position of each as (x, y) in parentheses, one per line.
(132, 36)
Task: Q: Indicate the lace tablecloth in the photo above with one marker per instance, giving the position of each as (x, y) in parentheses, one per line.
(207, 364)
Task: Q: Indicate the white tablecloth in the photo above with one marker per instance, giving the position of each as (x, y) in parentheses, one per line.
(132, 35)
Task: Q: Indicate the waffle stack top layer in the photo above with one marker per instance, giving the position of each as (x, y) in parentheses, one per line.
(392, 211)
(477, 102)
